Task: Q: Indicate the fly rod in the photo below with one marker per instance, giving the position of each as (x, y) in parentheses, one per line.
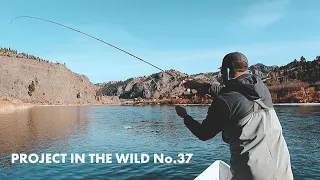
(86, 34)
(93, 37)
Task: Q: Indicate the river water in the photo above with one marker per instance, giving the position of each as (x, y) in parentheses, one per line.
(136, 129)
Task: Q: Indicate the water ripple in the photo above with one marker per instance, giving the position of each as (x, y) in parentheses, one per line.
(129, 129)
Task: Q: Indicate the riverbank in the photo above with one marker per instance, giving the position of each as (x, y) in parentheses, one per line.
(165, 102)
(13, 105)
(276, 104)
(10, 105)
(297, 104)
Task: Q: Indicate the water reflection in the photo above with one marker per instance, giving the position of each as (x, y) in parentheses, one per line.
(38, 128)
(130, 129)
(305, 111)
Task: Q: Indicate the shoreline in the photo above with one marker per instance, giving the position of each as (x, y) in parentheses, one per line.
(296, 104)
(275, 104)
(13, 108)
(9, 106)
(7, 109)
(13, 105)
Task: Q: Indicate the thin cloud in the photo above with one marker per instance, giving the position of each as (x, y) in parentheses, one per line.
(263, 14)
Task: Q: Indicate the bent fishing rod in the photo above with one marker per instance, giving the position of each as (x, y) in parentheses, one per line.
(93, 37)
(86, 34)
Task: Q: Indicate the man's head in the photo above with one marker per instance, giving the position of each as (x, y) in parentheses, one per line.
(234, 65)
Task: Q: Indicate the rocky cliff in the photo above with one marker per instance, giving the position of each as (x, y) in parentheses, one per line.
(155, 86)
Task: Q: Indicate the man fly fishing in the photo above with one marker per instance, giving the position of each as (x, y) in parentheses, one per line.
(243, 112)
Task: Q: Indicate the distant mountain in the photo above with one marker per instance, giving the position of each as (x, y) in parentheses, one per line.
(162, 84)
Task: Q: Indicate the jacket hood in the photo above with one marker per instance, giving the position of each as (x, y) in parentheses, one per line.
(249, 85)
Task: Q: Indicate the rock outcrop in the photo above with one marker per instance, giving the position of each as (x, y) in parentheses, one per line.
(155, 86)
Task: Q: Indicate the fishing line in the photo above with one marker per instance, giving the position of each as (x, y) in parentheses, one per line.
(93, 37)
(86, 34)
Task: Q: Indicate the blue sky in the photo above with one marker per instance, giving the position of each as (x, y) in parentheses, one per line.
(189, 36)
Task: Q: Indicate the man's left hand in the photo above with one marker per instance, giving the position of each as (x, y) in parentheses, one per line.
(181, 111)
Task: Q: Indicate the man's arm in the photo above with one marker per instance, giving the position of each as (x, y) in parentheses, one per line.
(204, 88)
(218, 115)
(212, 89)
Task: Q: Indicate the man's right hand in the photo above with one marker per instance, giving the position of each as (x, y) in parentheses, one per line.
(191, 84)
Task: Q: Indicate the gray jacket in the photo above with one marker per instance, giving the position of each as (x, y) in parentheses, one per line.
(243, 112)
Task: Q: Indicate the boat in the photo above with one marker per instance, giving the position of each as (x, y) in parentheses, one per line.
(219, 170)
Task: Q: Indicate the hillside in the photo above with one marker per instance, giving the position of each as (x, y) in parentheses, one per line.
(303, 70)
(34, 80)
(31, 79)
